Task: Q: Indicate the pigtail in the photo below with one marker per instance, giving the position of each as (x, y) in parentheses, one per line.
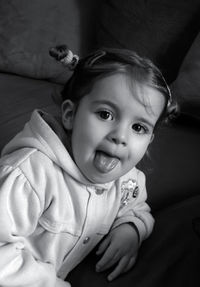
(64, 55)
(173, 111)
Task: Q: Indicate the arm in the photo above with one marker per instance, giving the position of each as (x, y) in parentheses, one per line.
(20, 209)
(132, 225)
(136, 211)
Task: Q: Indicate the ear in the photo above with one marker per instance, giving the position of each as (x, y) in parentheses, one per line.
(68, 108)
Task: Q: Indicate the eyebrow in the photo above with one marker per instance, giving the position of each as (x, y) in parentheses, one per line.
(144, 120)
(113, 105)
(106, 102)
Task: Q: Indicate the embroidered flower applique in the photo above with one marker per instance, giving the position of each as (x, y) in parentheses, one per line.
(129, 190)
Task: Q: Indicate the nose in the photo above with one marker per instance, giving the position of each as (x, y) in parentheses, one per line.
(119, 136)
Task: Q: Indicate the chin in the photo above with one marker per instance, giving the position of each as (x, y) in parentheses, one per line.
(102, 178)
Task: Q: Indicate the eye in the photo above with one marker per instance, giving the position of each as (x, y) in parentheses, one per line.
(139, 129)
(105, 115)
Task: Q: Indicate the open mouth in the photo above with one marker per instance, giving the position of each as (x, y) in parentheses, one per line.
(105, 162)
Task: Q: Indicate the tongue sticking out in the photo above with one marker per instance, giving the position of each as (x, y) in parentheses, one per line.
(105, 163)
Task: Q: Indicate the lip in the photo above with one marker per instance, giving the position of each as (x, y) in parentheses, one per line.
(109, 154)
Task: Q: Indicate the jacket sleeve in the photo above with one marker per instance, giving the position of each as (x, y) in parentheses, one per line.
(20, 208)
(135, 210)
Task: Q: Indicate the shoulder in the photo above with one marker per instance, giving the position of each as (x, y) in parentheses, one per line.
(136, 175)
(133, 185)
(27, 164)
(23, 157)
(16, 158)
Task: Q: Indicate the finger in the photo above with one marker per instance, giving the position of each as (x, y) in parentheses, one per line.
(103, 245)
(105, 265)
(130, 264)
(119, 269)
(108, 259)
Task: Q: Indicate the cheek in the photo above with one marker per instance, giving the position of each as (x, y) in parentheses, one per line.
(138, 149)
(88, 129)
(84, 137)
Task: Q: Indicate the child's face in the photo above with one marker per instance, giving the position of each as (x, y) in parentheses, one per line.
(112, 127)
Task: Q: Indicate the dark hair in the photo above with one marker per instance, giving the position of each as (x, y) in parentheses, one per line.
(108, 61)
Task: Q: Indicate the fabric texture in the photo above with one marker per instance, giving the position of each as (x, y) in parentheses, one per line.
(19, 97)
(187, 86)
(61, 208)
(29, 29)
(160, 30)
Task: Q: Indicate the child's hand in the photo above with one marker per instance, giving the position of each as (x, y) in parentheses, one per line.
(120, 247)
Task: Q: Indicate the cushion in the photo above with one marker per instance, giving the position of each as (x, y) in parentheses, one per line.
(19, 97)
(29, 28)
(187, 86)
(161, 30)
(172, 168)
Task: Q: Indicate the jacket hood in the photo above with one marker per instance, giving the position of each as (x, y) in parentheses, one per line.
(41, 133)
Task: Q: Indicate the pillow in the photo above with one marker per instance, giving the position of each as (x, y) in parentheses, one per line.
(187, 85)
(29, 28)
(19, 97)
(160, 30)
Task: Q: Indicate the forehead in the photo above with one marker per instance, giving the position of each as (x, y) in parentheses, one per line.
(120, 88)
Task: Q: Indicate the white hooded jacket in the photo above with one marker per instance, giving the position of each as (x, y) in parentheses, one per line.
(51, 216)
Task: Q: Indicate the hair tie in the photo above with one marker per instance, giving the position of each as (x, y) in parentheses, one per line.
(64, 55)
(70, 60)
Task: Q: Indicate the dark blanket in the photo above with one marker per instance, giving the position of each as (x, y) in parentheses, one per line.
(170, 257)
